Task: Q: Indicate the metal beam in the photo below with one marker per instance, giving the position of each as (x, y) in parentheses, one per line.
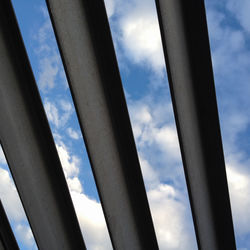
(7, 238)
(86, 46)
(1, 245)
(187, 53)
(29, 147)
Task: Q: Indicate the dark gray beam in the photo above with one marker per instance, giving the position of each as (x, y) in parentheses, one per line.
(1, 245)
(187, 53)
(86, 47)
(7, 238)
(29, 147)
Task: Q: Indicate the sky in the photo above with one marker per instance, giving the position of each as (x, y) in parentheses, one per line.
(139, 52)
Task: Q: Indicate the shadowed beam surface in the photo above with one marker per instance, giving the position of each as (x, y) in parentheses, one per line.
(29, 147)
(86, 46)
(187, 53)
(7, 238)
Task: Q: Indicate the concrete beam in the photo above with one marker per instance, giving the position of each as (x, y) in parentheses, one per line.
(29, 146)
(86, 46)
(187, 53)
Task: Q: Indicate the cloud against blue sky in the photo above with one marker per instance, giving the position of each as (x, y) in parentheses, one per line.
(138, 46)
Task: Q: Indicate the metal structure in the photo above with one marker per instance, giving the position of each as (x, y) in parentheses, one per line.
(87, 50)
(29, 146)
(7, 238)
(86, 47)
(186, 46)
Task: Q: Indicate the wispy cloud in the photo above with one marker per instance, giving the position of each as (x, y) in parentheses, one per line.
(24, 232)
(14, 209)
(2, 157)
(136, 29)
(58, 112)
(158, 147)
(88, 210)
(73, 133)
(9, 196)
(110, 7)
(240, 10)
(50, 69)
(167, 207)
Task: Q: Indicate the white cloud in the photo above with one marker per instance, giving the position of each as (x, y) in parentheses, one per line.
(70, 163)
(24, 233)
(155, 135)
(170, 211)
(10, 198)
(239, 187)
(150, 176)
(73, 133)
(139, 34)
(92, 222)
(2, 157)
(67, 111)
(60, 114)
(234, 124)
(163, 138)
(52, 112)
(158, 147)
(110, 7)
(75, 184)
(89, 211)
(14, 210)
(173, 224)
(49, 58)
(66, 106)
(240, 9)
(166, 138)
(230, 55)
(50, 70)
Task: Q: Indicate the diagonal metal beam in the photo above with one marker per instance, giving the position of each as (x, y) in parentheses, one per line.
(7, 238)
(186, 46)
(86, 46)
(2, 247)
(29, 147)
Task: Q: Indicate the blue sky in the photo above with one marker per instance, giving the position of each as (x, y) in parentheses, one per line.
(138, 47)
